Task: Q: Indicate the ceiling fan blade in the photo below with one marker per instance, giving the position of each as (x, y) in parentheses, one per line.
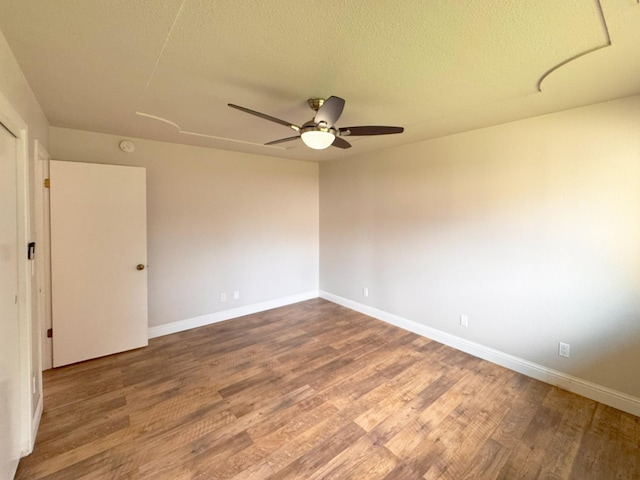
(370, 130)
(330, 111)
(340, 143)
(282, 140)
(265, 116)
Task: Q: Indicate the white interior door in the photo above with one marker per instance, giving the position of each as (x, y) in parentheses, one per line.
(98, 245)
(10, 411)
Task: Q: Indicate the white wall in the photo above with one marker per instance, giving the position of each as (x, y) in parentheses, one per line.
(15, 87)
(531, 228)
(218, 221)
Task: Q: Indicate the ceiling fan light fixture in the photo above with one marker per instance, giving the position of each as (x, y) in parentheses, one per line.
(320, 132)
(318, 138)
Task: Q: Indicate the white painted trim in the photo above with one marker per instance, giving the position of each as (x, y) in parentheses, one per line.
(189, 323)
(599, 393)
(17, 126)
(35, 421)
(25, 276)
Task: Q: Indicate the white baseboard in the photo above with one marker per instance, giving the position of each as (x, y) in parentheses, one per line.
(607, 396)
(210, 318)
(29, 443)
(35, 422)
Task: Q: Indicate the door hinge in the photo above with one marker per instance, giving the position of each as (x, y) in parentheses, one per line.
(49, 332)
(47, 183)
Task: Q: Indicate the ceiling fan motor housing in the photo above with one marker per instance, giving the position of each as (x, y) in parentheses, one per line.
(311, 126)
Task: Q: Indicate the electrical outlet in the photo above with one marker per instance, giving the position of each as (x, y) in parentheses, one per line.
(365, 291)
(464, 320)
(223, 297)
(564, 349)
(236, 294)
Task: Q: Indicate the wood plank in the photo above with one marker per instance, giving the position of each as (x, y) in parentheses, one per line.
(268, 441)
(563, 449)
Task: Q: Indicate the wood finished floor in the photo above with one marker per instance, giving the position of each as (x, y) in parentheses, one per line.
(316, 391)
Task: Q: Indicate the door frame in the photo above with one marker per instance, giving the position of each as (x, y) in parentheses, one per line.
(29, 414)
(43, 254)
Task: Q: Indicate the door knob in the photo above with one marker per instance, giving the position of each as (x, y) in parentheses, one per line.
(140, 266)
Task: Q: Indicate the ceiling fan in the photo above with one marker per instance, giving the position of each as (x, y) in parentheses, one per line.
(320, 132)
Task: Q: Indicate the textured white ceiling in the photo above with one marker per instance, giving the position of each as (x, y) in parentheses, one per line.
(155, 68)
